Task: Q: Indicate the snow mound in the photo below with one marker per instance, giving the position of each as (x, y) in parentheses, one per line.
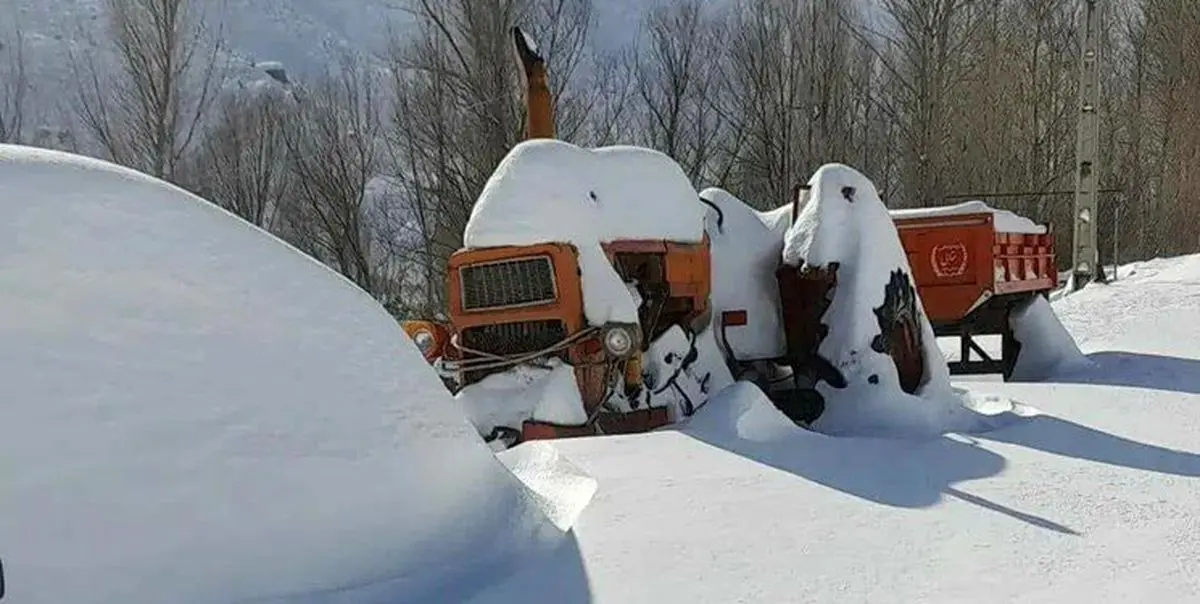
(778, 220)
(845, 222)
(1047, 348)
(745, 255)
(562, 489)
(195, 412)
(743, 412)
(1003, 221)
(508, 398)
(682, 372)
(553, 191)
(1150, 309)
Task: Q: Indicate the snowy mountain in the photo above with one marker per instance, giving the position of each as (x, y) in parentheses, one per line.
(304, 35)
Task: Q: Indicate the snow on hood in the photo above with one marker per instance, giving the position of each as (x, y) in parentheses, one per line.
(552, 191)
(195, 412)
(1003, 221)
(844, 221)
(745, 255)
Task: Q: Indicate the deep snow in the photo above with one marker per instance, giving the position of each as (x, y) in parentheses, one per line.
(1093, 500)
(1142, 330)
(210, 416)
(196, 412)
(1090, 494)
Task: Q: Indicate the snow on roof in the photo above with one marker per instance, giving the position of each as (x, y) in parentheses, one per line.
(552, 191)
(1004, 221)
(195, 412)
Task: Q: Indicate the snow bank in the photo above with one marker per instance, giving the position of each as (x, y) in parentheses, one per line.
(195, 412)
(844, 221)
(745, 255)
(743, 412)
(1150, 309)
(1003, 221)
(1041, 511)
(508, 398)
(562, 490)
(552, 191)
(1047, 349)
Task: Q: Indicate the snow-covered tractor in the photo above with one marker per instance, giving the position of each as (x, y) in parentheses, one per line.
(527, 288)
(846, 278)
(597, 293)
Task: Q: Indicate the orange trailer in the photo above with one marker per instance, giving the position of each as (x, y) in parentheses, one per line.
(971, 277)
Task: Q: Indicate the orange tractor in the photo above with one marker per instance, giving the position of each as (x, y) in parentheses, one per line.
(516, 305)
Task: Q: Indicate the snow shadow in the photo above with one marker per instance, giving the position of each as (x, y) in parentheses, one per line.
(556, 576)
(1137, 370)
(894, 472)
(1066, 438)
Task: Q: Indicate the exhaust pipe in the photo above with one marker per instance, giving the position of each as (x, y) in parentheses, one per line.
(539, 107)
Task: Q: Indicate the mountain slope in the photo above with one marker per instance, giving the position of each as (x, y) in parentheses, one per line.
(305, 35)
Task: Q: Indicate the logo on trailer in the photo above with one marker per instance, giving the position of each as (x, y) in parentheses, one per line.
(949, 260)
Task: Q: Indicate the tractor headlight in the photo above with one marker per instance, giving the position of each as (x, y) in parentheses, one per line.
(425, 341)
(621, 340)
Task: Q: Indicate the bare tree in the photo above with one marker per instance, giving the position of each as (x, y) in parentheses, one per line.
(147, 111)
(458, 109)
(14, 88)
(334, 150)
(928, 50)
(673, 77)
(242, 158)
(786, 90)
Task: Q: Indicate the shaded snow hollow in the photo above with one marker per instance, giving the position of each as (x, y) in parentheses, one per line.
(844, 221)
(196, 412)
(552, 191)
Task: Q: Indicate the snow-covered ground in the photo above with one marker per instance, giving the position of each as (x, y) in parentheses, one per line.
(1094, 496)
(195, 412)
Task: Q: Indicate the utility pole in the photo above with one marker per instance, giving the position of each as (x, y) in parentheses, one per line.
(1087, 165)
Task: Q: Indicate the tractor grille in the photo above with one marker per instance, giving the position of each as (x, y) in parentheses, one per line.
(508, 283)
(506, 339)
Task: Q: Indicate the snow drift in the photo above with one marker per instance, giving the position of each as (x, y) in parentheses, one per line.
(195, 412)
(745, 255)
(845, 222)
(551, 191)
